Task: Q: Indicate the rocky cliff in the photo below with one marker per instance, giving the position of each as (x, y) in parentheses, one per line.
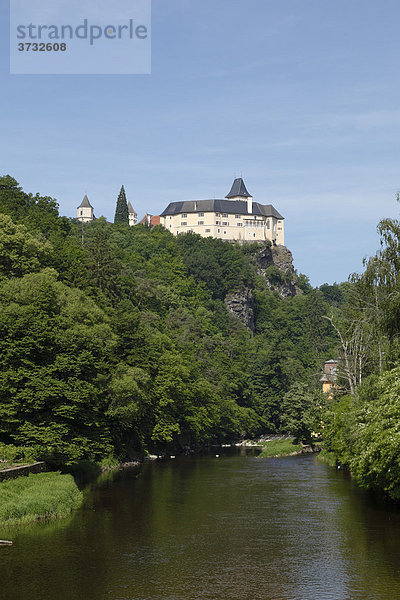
(241, 305)
(275, 263)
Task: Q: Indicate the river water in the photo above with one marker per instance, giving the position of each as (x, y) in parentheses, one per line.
(229, 528)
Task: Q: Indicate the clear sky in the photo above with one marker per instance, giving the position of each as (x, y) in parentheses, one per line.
(301, 97)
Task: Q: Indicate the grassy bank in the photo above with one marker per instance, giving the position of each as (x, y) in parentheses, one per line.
(41, 496)
(276, 448)
(328, 457)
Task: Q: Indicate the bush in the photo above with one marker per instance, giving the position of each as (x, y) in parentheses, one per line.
(10, 455)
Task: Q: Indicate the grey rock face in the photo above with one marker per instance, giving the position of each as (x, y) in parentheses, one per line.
(240, 304)
(281, 258)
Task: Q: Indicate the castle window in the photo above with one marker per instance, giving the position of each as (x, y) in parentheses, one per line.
(200, 222)
(240, 224)
(208, 230)
(225, 232)
(225, 215)
(237, 216)
(201, 214)
(81, 212)
(217, 214)
(183, 216)
(279, 228)
(225, 223)
(219, 231)
(183, 223)
(218, 222)
(254, 235)
(268, 224)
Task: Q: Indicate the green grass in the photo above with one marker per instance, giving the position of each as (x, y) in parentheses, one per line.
(41, 496)
(279, 448)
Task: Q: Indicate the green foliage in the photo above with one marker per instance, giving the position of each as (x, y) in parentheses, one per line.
(334, 294)
(53, 344)
(363, 433)
(222, 267)
(303, 282)
(20, 251)
(300, 414)
(121, 211)
(275, 276)
(340, 423)
(361, 429)
(41, 496)
(11, 455)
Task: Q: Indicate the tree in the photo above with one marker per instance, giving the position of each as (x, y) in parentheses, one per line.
(121, 211)
(299, 415)
(20, 252)
(55, 348)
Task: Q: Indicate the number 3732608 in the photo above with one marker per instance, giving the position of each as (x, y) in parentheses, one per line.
(42, 47)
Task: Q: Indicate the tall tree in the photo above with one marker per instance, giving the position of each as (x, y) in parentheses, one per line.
(121, 211)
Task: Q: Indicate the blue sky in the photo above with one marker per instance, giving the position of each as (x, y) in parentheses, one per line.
(301, 97)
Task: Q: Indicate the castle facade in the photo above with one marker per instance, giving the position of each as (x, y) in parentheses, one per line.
(236, 217)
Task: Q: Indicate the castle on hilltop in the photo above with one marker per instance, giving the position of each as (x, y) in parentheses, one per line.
(235, 218)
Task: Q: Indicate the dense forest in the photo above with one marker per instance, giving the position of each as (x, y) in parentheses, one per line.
(116, 340)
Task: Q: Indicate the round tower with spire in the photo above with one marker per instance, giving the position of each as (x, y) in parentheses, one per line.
(85, 211)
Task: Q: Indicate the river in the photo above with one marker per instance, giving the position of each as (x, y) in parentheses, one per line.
(229, 528)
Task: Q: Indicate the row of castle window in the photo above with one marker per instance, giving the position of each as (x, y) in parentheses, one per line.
(224, 216)
(226, 224)
(218, 231)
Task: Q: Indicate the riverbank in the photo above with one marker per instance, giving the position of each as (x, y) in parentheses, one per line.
(37, 497)
(277, 448)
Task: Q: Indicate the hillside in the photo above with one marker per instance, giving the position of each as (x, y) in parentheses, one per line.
(116, 340)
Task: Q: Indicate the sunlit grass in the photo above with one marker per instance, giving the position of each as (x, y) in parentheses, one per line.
(40, 496)
(279, 448)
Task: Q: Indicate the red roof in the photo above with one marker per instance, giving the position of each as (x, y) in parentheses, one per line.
(151, 220)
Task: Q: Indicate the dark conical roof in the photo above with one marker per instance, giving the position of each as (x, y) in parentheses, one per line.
(238, 189)
(85, 203)
(131, 209)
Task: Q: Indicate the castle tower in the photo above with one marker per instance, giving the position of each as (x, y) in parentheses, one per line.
(239, 192)
(85, 211)
(132, 215)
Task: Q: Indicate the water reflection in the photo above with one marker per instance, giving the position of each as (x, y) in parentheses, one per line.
(206, 528)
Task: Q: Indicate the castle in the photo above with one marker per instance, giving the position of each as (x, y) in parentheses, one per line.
(236, 217)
